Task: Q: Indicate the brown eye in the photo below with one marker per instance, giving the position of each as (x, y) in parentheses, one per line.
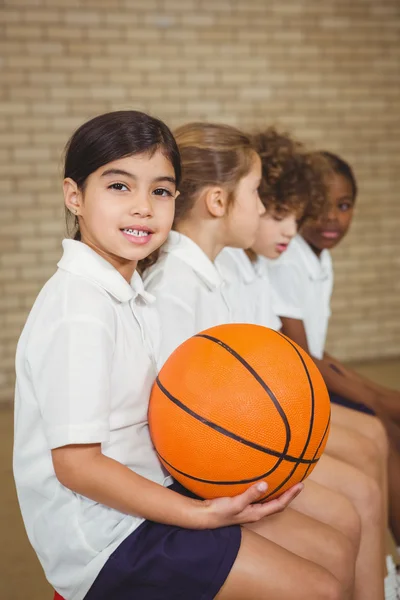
(120, 187)
(162, 192)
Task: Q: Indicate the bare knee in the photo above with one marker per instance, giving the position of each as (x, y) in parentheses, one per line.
(368, 498)
(343, 561)
(327, 587)
(349, 523)
(370, 456)
(376, 432)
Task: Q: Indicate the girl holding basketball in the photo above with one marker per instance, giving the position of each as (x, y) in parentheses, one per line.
(104, 518)
(218, 207)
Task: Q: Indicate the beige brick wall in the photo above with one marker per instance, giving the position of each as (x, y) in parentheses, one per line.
(327, 70)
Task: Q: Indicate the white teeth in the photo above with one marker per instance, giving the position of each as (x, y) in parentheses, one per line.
(136, 232)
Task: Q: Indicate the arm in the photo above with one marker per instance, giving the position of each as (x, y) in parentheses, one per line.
(84, 470)
(338, 379)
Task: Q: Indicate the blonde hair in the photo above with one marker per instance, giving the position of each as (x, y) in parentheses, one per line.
(211, 155)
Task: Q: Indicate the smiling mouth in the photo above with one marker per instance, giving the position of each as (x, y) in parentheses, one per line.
(137, 232)
(330, 234)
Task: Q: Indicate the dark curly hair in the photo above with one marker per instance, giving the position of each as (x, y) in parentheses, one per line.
(292, 177)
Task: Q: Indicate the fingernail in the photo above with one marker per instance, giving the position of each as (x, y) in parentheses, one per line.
(262, 486)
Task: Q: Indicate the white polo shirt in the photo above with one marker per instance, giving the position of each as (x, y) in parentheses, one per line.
(85, 366)
(190, 293)
(305, 282)
(260, 305)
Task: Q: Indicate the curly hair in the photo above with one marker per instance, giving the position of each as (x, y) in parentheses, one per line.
(292, 177)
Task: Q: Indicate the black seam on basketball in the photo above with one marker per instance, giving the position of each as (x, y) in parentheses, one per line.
(299, 461)
(319, 446)
(257, 377)
(211, 481)
(279, 455)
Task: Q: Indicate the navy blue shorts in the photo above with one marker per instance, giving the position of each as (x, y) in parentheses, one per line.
(336, 399)
(164, 562)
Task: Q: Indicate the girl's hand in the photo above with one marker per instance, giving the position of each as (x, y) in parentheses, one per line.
(240, 509)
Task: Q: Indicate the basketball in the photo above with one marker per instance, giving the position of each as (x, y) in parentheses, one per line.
(236, 404)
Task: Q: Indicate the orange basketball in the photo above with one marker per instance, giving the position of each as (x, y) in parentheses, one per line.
(236, 404)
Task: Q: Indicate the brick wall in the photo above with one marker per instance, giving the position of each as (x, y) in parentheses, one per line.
(328, 71)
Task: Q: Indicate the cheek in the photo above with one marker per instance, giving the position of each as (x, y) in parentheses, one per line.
(345, 220)
(165, 213)
(267, 231)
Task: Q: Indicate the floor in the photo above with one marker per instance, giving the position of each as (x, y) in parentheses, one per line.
(21, 577)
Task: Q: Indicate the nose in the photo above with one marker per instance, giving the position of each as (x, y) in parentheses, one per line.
(332, 212)
(290, 227)
(141, 205)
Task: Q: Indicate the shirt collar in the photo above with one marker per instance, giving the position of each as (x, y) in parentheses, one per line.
(187, 250)
(318, 268)
(261, 266)
(81, 260)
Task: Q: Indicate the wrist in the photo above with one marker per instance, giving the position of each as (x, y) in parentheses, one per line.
(197, 515)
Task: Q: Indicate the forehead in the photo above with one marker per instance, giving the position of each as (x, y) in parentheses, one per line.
(339, 186)
(141, 165)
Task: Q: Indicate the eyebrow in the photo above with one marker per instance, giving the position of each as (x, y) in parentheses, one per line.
(134, 178)
(347, 198)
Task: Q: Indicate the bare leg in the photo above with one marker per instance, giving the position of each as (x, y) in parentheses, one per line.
(366, 497)
(265, 571)
(313, 541)
(366, 425)
(330, 507)
(351, 447)
(372, 428)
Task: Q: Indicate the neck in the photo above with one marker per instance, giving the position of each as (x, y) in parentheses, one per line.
(317, 251)
(125, 267)
(203, 234)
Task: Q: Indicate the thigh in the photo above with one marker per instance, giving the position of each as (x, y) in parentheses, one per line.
(310, 539)
(366, 425)
(362, 490)
(263, 570)
(354, 448)
(330, 507)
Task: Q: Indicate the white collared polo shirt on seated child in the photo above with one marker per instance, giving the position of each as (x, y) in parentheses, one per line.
(249, 284)
(305, 283)
(85, 366)
(190, 293)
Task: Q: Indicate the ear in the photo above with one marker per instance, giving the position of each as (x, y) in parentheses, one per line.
(216, 201)
(72, 196)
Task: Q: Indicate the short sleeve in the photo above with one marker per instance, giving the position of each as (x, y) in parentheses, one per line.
(71, 374)
(287, 291)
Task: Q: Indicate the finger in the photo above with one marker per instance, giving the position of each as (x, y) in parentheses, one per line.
(255, 512)
(249, 496)
(287, 497)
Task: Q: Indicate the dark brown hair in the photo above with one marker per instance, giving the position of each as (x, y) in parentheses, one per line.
(292, 177)
(341, 167)
(111, 136)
